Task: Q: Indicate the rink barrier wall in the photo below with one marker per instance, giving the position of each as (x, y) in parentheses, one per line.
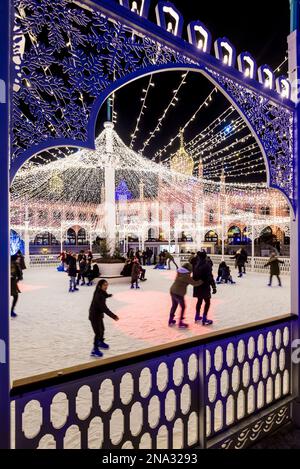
(259, 263)
(226, 389)
(51, 260)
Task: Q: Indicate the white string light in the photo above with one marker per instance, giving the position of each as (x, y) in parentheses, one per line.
(144, 100)
(171, 104)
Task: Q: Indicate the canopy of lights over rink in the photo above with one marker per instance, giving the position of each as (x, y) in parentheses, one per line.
(144, 146)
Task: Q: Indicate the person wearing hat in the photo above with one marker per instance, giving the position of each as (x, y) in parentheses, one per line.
(178, 291)
(202, 271)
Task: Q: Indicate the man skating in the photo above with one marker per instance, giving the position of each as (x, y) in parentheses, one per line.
(274, 264)
(202, 271)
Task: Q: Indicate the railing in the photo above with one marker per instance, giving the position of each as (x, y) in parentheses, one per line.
(44, 260)
(182, 395)
(259, 263)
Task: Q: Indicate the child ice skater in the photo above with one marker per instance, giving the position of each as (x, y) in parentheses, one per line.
(97, 310)
(178, 292)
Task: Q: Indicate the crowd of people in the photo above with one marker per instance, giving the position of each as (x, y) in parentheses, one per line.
(198, 273)
(80, 268)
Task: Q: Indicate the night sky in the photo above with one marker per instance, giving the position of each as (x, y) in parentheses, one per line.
(258, 27)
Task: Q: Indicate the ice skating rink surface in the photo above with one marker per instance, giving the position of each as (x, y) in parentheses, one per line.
(52, 330)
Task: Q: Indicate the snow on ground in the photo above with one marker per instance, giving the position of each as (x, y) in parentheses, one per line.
(52, 330)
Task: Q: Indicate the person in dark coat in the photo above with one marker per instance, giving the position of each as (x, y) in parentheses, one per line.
(21, 262)
(149, 254)
(96, 314)
(82, 269)
(224, 274)
(127, 269)
(72, 272)
(93, 273)
(90, 256)
(244, 255)
(178, 291)
(239, 262)
(15, 277)
(202, 271)
(135, 273)
(274, 264)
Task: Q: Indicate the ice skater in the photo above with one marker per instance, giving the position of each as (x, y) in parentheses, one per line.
(224, 274)
(178, 291)
(135, 273)
(170, 259)
(202, 271)
(274, 264)
(239, 262)
(15, 277)
(72, 272)
(96, 314)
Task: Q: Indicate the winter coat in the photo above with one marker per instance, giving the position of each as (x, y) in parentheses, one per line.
(202, 271)
(72, 269)
(182, 281)
(239, 260)
(15, 276)
(135, 272)
(274, 264)
(98, 306)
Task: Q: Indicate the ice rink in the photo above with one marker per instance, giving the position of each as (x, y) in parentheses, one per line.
(52, 330)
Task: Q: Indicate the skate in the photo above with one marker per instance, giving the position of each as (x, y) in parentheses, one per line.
(82, 283)
(172, 322)
(76, 289)
(103, 345)
(207, 322)
(132, 287)
(95, 353)
(71, 290)
(13, 314)
(198, 319)
(182, 325)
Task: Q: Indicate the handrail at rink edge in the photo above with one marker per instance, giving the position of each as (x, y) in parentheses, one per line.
(39, 382)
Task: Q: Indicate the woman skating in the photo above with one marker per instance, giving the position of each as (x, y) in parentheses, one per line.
(96, 314)
(178, 292)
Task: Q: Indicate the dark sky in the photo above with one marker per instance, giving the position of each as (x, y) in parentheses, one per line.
(260, 27)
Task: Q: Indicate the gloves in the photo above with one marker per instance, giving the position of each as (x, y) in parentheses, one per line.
(214, 291)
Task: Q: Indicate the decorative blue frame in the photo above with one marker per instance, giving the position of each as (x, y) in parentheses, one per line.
(126, 46)
(51, 111)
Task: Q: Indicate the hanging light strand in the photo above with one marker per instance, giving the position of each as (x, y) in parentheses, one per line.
(143, 107)
(171, 104)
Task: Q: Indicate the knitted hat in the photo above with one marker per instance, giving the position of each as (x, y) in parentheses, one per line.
(188, 267)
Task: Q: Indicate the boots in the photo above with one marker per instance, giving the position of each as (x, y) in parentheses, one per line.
(95, 353)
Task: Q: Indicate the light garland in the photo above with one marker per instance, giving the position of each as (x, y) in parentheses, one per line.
(160, 152)
(144, 100)
(171, 104)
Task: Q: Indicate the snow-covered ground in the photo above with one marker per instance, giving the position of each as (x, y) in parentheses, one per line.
(52, 330)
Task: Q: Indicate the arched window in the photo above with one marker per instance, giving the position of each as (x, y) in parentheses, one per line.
(82, 216)
(286, 211)
(82, 238)
(151, 234)
(211, 237)
(234, 235)
(265, 211)
(71, 237)
(246, 236)
(45, 239)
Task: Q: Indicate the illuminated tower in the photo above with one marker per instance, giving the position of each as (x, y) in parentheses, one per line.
(182, 162)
